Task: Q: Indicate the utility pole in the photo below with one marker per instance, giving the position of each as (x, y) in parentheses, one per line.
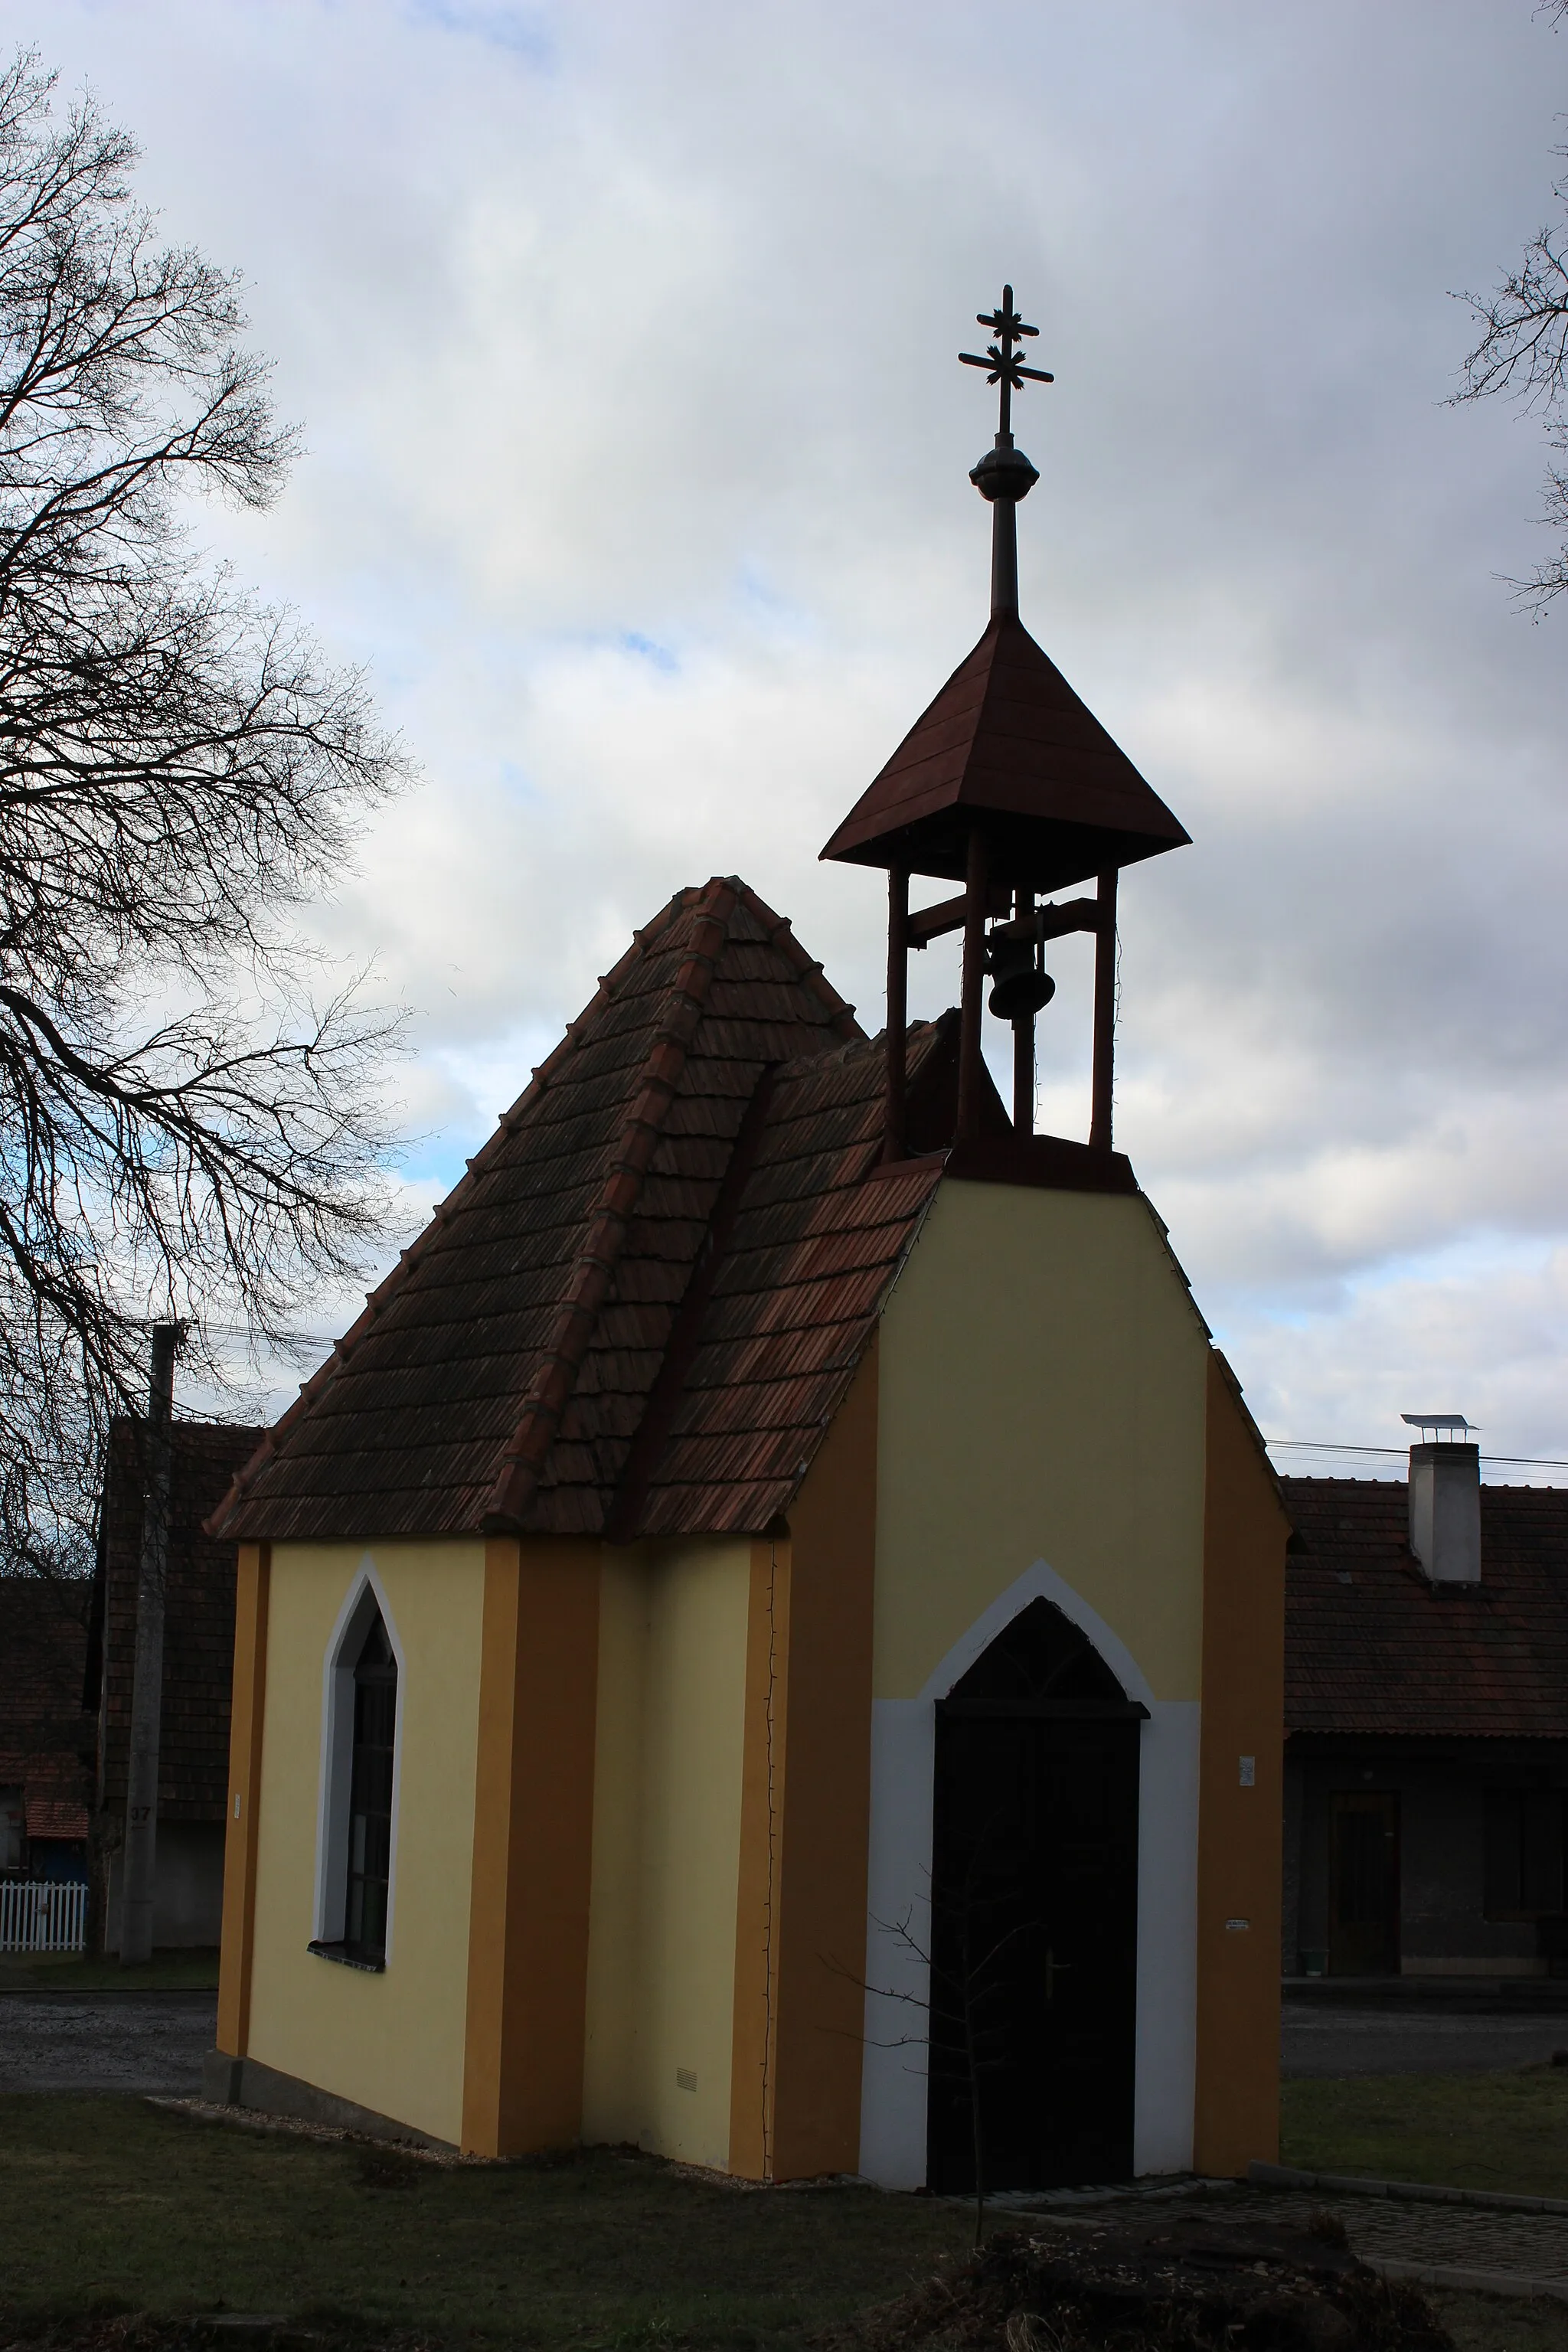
(139, 1855)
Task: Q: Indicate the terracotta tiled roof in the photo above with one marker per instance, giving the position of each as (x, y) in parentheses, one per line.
(646, 1202)
(1008, 738)
(46, 1736)
(1371, 1649)
(198, 1617)
(47, 1817)
(816, 1239)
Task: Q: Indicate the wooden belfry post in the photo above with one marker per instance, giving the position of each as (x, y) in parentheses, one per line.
(1009, 787)
(970, 1059)
(894, 1136)
(1104, 1012)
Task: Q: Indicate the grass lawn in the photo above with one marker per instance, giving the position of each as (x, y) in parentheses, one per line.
(1492, 2323)
(113, 2202)
(73, 1972)
(1465, 2131)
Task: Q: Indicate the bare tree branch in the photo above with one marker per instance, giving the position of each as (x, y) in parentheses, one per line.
(1522, 353)
(190, 1121)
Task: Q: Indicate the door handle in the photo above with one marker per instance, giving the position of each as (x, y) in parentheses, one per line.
(1054, 1969)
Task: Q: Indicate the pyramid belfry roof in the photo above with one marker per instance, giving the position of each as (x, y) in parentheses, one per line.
(1008, 740)
(638, 1309)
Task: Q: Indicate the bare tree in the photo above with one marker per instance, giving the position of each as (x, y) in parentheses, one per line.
(1524, 353)
(967, 1968)
(960, 2042)
(190, 1121)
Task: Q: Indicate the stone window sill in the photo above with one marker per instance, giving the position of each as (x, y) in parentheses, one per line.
(347, 1959)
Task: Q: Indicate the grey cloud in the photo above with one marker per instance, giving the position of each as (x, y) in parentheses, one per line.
(644, 324)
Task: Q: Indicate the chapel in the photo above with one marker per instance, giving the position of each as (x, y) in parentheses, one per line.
(764, 1640)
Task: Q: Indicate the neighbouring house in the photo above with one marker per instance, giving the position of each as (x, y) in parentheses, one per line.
(1426, 1712)
(198, 1647)
(778, 1584)
(47, 1734)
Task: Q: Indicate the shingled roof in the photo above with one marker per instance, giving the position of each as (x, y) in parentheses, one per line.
(638, 1310)
(46, 1736)
(1007, 739)
(772, 1341)
(1373, 1650)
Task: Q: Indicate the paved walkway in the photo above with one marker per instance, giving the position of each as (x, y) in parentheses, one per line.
(1529, 2247)
(75, 2042)
(1457, 2237)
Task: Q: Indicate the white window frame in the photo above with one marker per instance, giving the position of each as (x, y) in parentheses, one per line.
(366, 1595)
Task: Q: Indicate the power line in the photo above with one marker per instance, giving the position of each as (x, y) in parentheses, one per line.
(1397, 1453)
(288, 1339)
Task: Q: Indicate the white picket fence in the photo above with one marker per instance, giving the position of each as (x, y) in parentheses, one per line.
(40, 1915)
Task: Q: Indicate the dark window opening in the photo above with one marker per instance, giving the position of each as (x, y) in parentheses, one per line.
(1524, 1852)
(370, 1798)
(1040, 1659)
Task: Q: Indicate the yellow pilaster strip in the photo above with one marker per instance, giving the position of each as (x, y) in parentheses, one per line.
(533, 1828)
(752, 2085)
(247, 1720)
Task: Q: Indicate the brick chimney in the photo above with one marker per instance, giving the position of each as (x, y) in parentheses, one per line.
(1445, 1498)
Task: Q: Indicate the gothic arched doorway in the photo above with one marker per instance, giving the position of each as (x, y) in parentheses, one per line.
(1034, 1915)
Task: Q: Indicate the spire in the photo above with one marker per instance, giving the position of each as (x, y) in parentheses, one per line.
(1005, 474)
(1009, 784)
(1008, 746)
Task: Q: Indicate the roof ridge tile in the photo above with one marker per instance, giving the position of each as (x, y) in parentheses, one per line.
(780, 933)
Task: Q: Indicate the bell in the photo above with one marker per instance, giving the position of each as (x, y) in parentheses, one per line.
(1023, 985)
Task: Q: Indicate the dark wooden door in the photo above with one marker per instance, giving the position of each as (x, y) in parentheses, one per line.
(1364, 1883)
(1034, 1946)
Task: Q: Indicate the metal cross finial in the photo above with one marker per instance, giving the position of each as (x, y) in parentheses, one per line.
(999, 362)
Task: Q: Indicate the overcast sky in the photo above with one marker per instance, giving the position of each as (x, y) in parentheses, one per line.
(623, 334)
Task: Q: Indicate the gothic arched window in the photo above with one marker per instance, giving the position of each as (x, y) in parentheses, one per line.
(370, 1797)
(356, 1839)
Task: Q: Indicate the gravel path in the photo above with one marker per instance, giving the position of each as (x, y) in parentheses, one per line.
(56, 2041)
(1333, 2041)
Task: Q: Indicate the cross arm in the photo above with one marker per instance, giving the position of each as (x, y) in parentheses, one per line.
(995, 366)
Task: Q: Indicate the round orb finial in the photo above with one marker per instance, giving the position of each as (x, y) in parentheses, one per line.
(1004, 474)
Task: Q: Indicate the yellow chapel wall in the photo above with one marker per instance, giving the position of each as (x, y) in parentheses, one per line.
(669, 1748)
(1043, 1384)
(391, 2042)
(1043, 1401)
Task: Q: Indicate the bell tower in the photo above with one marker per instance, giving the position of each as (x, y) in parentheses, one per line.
(1008, 784)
